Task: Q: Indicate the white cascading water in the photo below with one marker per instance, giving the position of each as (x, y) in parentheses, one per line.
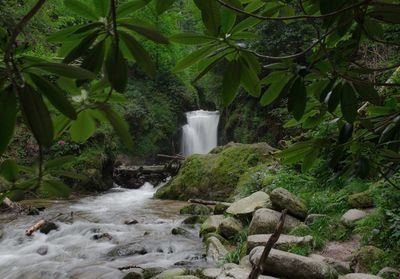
(199, 135)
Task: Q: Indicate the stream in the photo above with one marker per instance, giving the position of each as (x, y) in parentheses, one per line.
(71, 251)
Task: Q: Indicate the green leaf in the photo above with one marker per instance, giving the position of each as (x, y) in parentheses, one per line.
(194, 57)
(63, 35)
(163, 5)
(211, 16)
(146, 30)
(8, 115)
(231, 82)
(131, 7)
(275, 89)
(81, 48)
(349, 103)
(245, 24)
(373, 28)
(333, 98)
(250, 80)
(102, 7)
(36, 115)
(368, 93)
(116, 69)
(59, 161)
(15, 195)
(69, 174)
(346, 133)
(210, 62)
(310, 158)
(140, 54)
(83, 127)
(120, 126)
(65, 70)
(228, 20)
(296, 152)
(94, 60)
(297, 99)
(9, 170)
(190, 39)
(55, 188)
(81, 9)
(55, 95)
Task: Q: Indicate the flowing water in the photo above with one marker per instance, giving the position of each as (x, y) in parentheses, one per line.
(199, 135)
(73, 253)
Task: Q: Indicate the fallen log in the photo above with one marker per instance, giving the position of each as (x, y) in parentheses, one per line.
(174, 157)
(34, 228)
(205, 202)
(13, 205)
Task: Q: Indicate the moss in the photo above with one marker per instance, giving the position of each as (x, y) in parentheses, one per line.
(215, 176)
(368, 259)
(361, 200)
(196, 209)
(305, 250)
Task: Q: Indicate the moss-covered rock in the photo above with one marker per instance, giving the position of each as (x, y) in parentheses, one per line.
(361, 200)
(215, 176)
(196, 209)
(367, 259)
(195, 219)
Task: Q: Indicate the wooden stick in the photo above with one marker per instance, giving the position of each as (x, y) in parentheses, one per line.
(257, 269)
(34, 228)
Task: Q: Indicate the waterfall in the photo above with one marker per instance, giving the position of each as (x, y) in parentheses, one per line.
(199, 135)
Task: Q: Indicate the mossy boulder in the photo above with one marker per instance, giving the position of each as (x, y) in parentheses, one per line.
(367, 259)
(230, 228)
(195, 219)
(196, 209)
(361, 200)
(215, 176)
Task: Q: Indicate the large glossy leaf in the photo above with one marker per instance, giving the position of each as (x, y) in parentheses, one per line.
(146, 30)
(59, 161)
(80, 49)
(297, 99)
(349, 103)
(55, 95)
(69, 174)
(310, 158)
(36, 115)
(120, 126)
(80, 8)
(95, 58)
(55, 188)
(64, 70)
(102, 7)
(345, 133)
(8, 114)
(139, 53)
(83, 127)
(210, 62)
(368, 93)
(131, 7)
(194, 57)
(116, 69)
(9, 170)
(275, 89)
(190, 39)
(163, 5)
(231, 82)
(63, 35)
(211, 16)
(249, 79)
(333, 98)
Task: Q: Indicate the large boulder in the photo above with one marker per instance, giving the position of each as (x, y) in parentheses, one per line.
(235, 271)
(196, 209)
(195, 219)
(361, 200)
(265, 220)
(366, 257)
(171, 273)
(341, 267)
(211, 224)
(246, 207)
(292, 266)
(359, 276)
(215, 176)
(389, 272)
(230, 227)
(283, 199)
(284, 243)
(215, 251)
(352, 216)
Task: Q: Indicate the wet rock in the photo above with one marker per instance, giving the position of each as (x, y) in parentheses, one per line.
(234, 271)
(314, 217)
(284, 243)
(152, 272)
(220, 208)
(215, 250)
(42, 250)
(101, 236)
(196, 219)
(133, 275)
(245, 207)
(245, 262)
(388, 272)
(359, 276)
(179, 231)
(211, 224)
(182, 263)
(265, 220)
(351, 217)
(1, 234)
(171, 273)
(125, 251)
(220, 238)
(340, 266)
(365, 257)
(292, 266)
(131, 222)
(186, 277)
(196, 209)
(283, 199)
(93, 272)
(211, 273)
(33, 211)
(48, 227)
(361, 200)
(230, 227)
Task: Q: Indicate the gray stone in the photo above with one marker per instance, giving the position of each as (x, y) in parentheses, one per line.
(215, 251)
(340, 266)
(179, 231)
(48, 227)
(127, 250)
(389, 272)
(211, 224)
(313, 217)
(247, 206)
(292, 266)
(131, 222)
(231, 270)
(352, 216)
(196, 209)
(42, 250)
(230, 227)
(211, 273)
(285, 242)
(265, 220)
(171, 273)
(283, 199)
(245, 262)
(359, 276)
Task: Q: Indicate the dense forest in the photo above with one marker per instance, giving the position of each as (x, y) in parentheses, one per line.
(302, 179)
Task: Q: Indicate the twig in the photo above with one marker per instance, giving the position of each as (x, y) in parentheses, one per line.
(257, 269)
